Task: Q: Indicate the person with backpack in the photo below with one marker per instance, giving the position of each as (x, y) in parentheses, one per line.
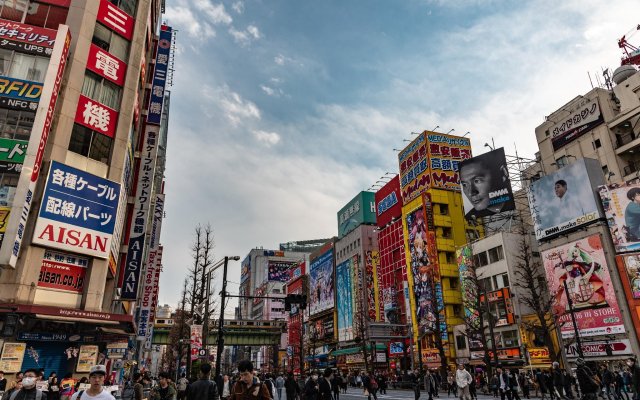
(96, 390)
(279, 386)
(183, 382)
(163, 390)
(249, 387)
(370, 385)
(270, 385)
(291, 387)
(204, 388)
(29, 390)
(588, 385)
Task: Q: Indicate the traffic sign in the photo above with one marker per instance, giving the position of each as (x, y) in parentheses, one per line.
(202, 352)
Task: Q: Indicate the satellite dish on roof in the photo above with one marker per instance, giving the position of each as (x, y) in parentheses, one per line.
(623, 72)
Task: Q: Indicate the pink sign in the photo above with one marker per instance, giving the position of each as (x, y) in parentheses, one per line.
(582, 265)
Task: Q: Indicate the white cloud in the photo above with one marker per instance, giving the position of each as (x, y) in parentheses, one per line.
(215, 12)
(279, 59)
(267, 138)
(267, 90)
(253, 31)
(183, 19)
(238, 7)
(245, 37)
(236, 109)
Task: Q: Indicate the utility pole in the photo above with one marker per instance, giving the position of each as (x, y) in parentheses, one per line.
(493, 337)
(223, 298)
(573, 319)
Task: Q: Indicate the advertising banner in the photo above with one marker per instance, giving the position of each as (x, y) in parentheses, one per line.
(297, 270)
(13, 150)
(20, 89)
(390, 305)
(245, 269)
(154, 299)
(21, 206)
(581, 120)
(360, 210)
(621, 205)
(141, 209)
(12, 356)
(116, 19)
(65, 272)
(117, 350)
(388, 202)
(144, 318)
(583, 266)
(29, 34)
(106, 65)
(345, 306)
(96, 116)
(87, 358)
(372, 259)
(617, 347)
(565, 200)
(469, 286)
(396, 348)
(159, 75)
(486, 188)
(278, 271)
(414, 166)
(78, 211)
(632, 269)
(445, 154)
(196, 341)
(321, 283)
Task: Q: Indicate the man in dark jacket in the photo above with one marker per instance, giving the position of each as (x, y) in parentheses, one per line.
(291, 387)
(634, 369)
(312, 388)
(588, 386)
(558, 379)
(325, 385)
(203, 388)
(249, 387)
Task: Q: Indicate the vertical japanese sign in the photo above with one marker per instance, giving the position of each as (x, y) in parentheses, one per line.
(116, 19)
(160, 75)
(371, 276)
(10, 249)
(196, 340)
(78, 212)
(154, 299)
(468, 283)
(96, 116)
(106, 65)
(414, 166)
(144, 189)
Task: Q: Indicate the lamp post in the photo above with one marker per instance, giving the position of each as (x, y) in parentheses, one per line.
(573, 319)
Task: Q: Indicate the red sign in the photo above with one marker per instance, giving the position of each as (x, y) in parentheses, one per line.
(116, 19)
(96, 116)
(61, 3)
(388, 202)
(63, 272)
(106, 65)
(18, 32)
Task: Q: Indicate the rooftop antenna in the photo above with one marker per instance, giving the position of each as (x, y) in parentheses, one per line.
(590, 81)
(434, 129)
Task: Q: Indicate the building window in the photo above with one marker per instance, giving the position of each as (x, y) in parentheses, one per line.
(23, 66)
(111, 42)
(597, 144)
(500, 281)
(446, 232)
(498, 310)
(453, 283)
(485, 284)
(496, 254)
(451, 257)
(16, 124)
(33, 13)
(128, 6)
(480, 259)
(461, 342)
(510, 339)
(457, 310)
(90, 143)
(101, 90)
(562, 162)
(444, 209)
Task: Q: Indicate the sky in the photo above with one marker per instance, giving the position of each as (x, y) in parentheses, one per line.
(283, 110)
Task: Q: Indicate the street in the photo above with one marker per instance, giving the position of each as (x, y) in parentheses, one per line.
(357, 394)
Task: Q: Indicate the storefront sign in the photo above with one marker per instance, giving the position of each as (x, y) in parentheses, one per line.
(96, 116)
(78, 212)
(63, 272)
(357, 358)
(12, 150)
(20, 89)
(25, 48)
(28, 34)
(87, 358)
(106, 65)
(159, 75)
(50, 337)
(619, 347)
(12, 355)
(116, 19)
(116, 351)
(538, 353)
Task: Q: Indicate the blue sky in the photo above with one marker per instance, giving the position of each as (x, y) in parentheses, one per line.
(283, 110)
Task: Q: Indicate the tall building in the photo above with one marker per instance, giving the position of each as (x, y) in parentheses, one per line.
(81, 111)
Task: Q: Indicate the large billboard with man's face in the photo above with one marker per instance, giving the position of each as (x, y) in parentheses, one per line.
(566, 199)
(621, 204)
(583, 267)
(486, 188)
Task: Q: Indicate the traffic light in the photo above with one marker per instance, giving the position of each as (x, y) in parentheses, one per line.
(287, 302)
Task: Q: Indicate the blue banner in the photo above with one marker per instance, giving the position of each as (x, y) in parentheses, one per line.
(154, 113)
(80, 199)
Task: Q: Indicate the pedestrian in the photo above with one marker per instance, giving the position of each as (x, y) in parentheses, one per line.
(586, 380)
(291, 388)
(312, 388)
(249, 387)
(473, 388)
(558, 380)
(567, 381)
(54, 387)
(515, 385)
(383, 383)
(495, 385)
(634, 371)
(163, 390)
(618, 385)
(182, 386)
(505, 384)
(29, 391)
(204, 388)
(548, 383)
(607, 380)
(523, 382)
(343, 383)
(336, 384)
(3, 382)
(324, 385)
(279, 386)
(370, 386)
(449, 384)
(226, 388)
(96, 390)
(463, 380)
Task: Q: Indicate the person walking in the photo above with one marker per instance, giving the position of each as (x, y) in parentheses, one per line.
(29, 391)
(370, 386)
(291, 388)
(567, 381)
(463, 380)
(415, 380)
(383, 383)
(183, 382)
(586, 380)
(495, 385)
(607, 380)
(163, 390)
(96, 390)
(248, 386)
(558, 381)
(324, 385)
(312, 388)
(523, 382)
(515, 385)
(634, 371)
(505, 384)
(54, 386)
(279, 386)
(336, 383)
(204, 388)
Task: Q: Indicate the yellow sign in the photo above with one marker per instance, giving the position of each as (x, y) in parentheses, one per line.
(12, 355)
(87, 358)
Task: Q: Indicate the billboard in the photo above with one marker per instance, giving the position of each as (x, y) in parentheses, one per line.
(469, 286)
(360, 210)
(346, 287)
(116, 19)
(278, 271)
(245, 269)
(390, 306)
(106, 65)
(632, 269)
(582, 265)
(372, 259)
(321, 283)
(566, 199)
(78, 212)
(16, 32)
(582, 119)
(96, 116)
(388, 202)
(160, 74)
(63, 272)
(621, 205)
(486, 188)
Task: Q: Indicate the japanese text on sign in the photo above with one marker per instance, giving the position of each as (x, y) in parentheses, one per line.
(26, 33)
(160, 76)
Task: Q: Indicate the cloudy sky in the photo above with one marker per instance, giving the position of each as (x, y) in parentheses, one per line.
(282, 111)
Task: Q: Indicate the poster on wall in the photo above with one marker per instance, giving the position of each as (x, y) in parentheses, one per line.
(345, 305)
(632, 269)
(196, 340)
(321, 283)
(87, 358)
(582, 265)
(278, 271)
(372, 259)
(12, 356)
(566, 199)
(486, 188)
(469, 286)
(621, 205)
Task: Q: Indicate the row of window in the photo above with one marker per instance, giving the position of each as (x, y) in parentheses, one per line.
(503, 340)
(494, 283)
(33, 13)
(23, 66)
(16, 124)
(488, 257)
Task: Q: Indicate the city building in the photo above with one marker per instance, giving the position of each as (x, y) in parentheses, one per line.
(299, 285)
(82, 111)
